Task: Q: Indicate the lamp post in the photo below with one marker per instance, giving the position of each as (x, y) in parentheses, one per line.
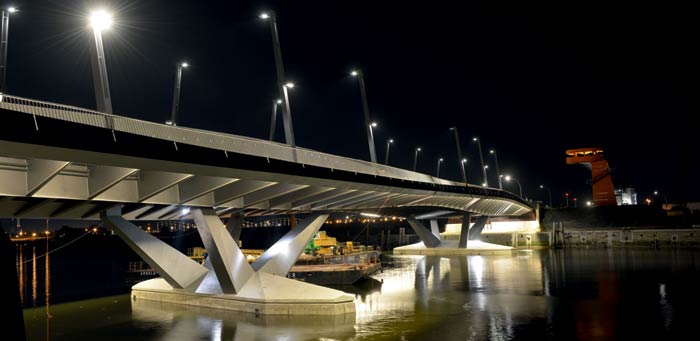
(485, 184)
(365, 108)
(462, 165)
(371, 135)
(273, 118)
(520, 187)
(176, 92)
(481, 157)
(100, 20)
(464, 168)
(663, 195)
(548, 192)
(3, 46)
(437, 174)
(498, 171)
(415, 158)
(566, 195)
(386, 155)
(281, 81)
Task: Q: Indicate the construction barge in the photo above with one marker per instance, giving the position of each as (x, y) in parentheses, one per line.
(325, 261)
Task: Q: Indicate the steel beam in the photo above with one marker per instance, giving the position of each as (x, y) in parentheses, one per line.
(281, 256)
(177, 269)
(429, 240)
(40, 172)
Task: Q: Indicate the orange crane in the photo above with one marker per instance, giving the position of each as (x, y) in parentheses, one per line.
(603, 190)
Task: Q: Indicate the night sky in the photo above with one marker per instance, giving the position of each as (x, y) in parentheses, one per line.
(532, 80)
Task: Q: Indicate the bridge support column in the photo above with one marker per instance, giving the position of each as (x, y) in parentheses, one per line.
(428, 238)
(176, 269)
(464, 232)
(234, 225)
(280, 258)
(261, 288)
(475, 231)
(227, 260)
(434, 229)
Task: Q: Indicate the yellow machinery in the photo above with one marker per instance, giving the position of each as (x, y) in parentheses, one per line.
(324, 244)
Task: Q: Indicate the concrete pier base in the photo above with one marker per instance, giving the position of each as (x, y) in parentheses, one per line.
(451, 247)
(263, 294)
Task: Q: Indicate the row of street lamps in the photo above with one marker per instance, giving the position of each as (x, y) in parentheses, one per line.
(101, 20)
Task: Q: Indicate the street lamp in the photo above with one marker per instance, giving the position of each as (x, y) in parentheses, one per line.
(100, 20)
(548, 192)
(663, 195)
(520, 187)
(415, 158)
(498, 171)
(176, 92)
(3, 45)
(281, 81)
(273, 118)
(459, 156)
(481, 157)
(386, 156)
(365, 108)
(566, 195)
(437, 174)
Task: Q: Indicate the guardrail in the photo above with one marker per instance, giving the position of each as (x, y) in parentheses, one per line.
(226, 142)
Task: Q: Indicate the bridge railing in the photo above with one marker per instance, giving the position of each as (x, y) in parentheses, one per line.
(209, 139)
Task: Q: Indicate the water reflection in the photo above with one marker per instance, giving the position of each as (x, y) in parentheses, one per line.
(570, 294)
(180, 322)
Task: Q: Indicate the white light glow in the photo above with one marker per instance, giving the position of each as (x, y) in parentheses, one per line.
(279, 101)
(475, 139)
(12, 9)
(391, 140)
(289, 85)
(464, 160)
(185, 64)
(372, 215)
(264, 15)
(419, 149)
(374, 124)
(100, 20)
(186, 210)
(354, 73)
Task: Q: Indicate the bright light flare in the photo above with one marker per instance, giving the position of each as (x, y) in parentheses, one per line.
(12, 9)
(289, 85)
(508, 178)
(264, 15)
(100, 20)
(372, 215)
(374, 124)
(185, 65)
(391, 140)
(279, 101)
(354, 73)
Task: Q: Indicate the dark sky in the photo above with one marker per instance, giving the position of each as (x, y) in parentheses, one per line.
(530, 79)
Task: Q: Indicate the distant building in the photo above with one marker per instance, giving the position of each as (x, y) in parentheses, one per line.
(626, 196)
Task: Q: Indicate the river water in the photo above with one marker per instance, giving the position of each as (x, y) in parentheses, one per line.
(553, 294)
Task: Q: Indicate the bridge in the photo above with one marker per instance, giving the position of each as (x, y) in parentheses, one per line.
(60, 161)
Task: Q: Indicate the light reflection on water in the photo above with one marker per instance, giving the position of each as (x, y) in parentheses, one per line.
(561, 295)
